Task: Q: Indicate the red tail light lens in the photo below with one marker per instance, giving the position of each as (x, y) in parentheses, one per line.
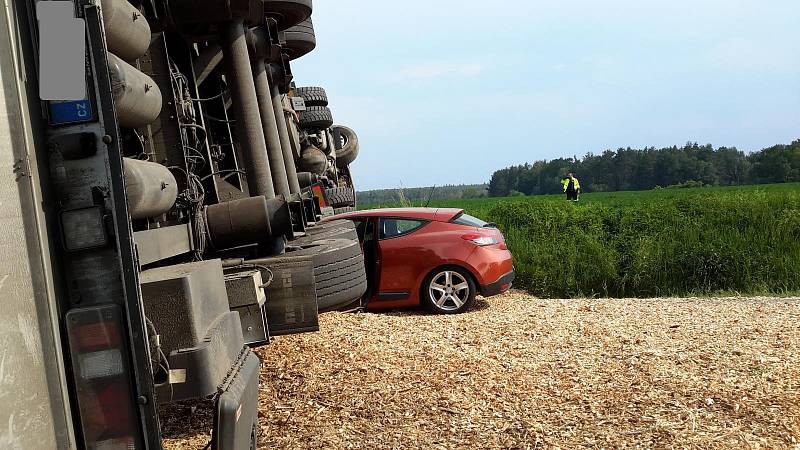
(479, 239)
(317, 190)
(105, 397)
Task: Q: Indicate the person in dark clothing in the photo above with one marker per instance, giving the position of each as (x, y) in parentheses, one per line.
(572, 187)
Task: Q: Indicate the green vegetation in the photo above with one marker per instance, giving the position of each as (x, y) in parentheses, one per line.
(422, 194)
(692, 241)
(642, 169)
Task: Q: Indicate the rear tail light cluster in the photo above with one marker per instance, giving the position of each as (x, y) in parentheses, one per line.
(105, 397)
(480, 239)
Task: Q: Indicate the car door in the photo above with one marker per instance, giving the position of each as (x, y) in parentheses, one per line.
(400, 260)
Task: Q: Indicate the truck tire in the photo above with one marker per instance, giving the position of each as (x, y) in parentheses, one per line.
(334, 229)
(340, 196)
(339, 273)
(347, 147)
(312, 95)
(316, 118)
(288, 13)
(299, 40)
(343, 210)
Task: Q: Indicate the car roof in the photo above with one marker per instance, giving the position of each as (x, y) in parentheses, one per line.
(437, 214)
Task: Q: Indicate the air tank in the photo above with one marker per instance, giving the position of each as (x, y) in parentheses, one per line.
(314, 160)
(151, 188)
(136, 96)
(127, 31)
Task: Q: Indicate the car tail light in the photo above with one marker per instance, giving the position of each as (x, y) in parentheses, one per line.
(479, 239)
(105, 397)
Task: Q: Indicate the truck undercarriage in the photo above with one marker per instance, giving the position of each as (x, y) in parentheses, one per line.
(175, 207)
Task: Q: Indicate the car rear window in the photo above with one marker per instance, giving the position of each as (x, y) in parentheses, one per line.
(470, 221)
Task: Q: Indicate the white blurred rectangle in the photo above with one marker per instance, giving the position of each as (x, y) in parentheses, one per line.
(101, 364)
(62, 51)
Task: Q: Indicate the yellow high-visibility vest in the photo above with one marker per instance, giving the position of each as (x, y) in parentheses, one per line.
(565, 182)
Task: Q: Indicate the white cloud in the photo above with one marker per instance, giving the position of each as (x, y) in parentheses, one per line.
(442, 70)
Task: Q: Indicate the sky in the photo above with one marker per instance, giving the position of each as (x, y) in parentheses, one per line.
(448, 91)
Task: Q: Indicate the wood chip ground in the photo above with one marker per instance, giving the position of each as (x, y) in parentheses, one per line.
(521, 372)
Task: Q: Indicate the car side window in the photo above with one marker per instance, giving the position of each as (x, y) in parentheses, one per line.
(392, 228)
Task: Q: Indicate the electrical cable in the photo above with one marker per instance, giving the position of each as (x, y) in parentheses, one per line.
(220, 172)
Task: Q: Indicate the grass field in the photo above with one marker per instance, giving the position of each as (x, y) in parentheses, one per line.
(705, 241)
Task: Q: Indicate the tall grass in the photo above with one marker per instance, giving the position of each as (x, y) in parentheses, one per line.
(699, 245)
(698, 242)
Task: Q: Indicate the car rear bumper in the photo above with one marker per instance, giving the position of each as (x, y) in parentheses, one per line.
(498, 287)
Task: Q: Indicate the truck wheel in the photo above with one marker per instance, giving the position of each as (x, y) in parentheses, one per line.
(339, 272)
(288, 13)
(312, 95)
(347, 147)
(299, 40)
(448, 290)
(316, 118)
(344, 209)
(334, 229)
(341, 196)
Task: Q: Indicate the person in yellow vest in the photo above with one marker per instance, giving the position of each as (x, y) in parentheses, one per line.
(572, 187)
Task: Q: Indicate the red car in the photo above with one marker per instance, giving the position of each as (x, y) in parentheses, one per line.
(437, 257)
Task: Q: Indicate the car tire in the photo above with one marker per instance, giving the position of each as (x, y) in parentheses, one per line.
(348, 143)
(340, 197)
(312, 95)
(299, 40)
(343, 210)
(316, 118)
(448, 290)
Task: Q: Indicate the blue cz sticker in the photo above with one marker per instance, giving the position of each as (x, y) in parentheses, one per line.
(62, 112)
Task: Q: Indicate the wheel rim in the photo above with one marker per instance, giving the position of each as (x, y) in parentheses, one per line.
(449, 290)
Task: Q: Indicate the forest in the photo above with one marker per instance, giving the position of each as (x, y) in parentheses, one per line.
(629, 169)
(421, 195)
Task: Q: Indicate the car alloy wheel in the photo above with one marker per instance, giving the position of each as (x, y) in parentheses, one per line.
(450, 291)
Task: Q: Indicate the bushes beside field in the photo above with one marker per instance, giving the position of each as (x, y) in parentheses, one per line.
(696, 244)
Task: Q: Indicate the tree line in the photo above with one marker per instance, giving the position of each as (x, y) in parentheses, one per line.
(648, 168)
(420, 195)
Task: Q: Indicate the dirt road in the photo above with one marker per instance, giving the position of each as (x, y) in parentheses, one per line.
(521, 372)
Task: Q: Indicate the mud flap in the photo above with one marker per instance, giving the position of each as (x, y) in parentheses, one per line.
(237, 408)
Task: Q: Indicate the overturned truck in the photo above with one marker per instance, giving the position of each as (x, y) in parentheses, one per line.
(176, 207)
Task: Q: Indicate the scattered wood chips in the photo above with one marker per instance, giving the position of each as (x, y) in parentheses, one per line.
(522, 372)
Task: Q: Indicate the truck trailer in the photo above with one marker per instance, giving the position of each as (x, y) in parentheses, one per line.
(161, 213)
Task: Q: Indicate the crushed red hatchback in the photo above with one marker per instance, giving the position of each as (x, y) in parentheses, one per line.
(437, 257)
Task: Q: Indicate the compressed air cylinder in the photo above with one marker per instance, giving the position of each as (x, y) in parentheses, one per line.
(151, 188)
(127, 31)
(314, 160)
(136, 96)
